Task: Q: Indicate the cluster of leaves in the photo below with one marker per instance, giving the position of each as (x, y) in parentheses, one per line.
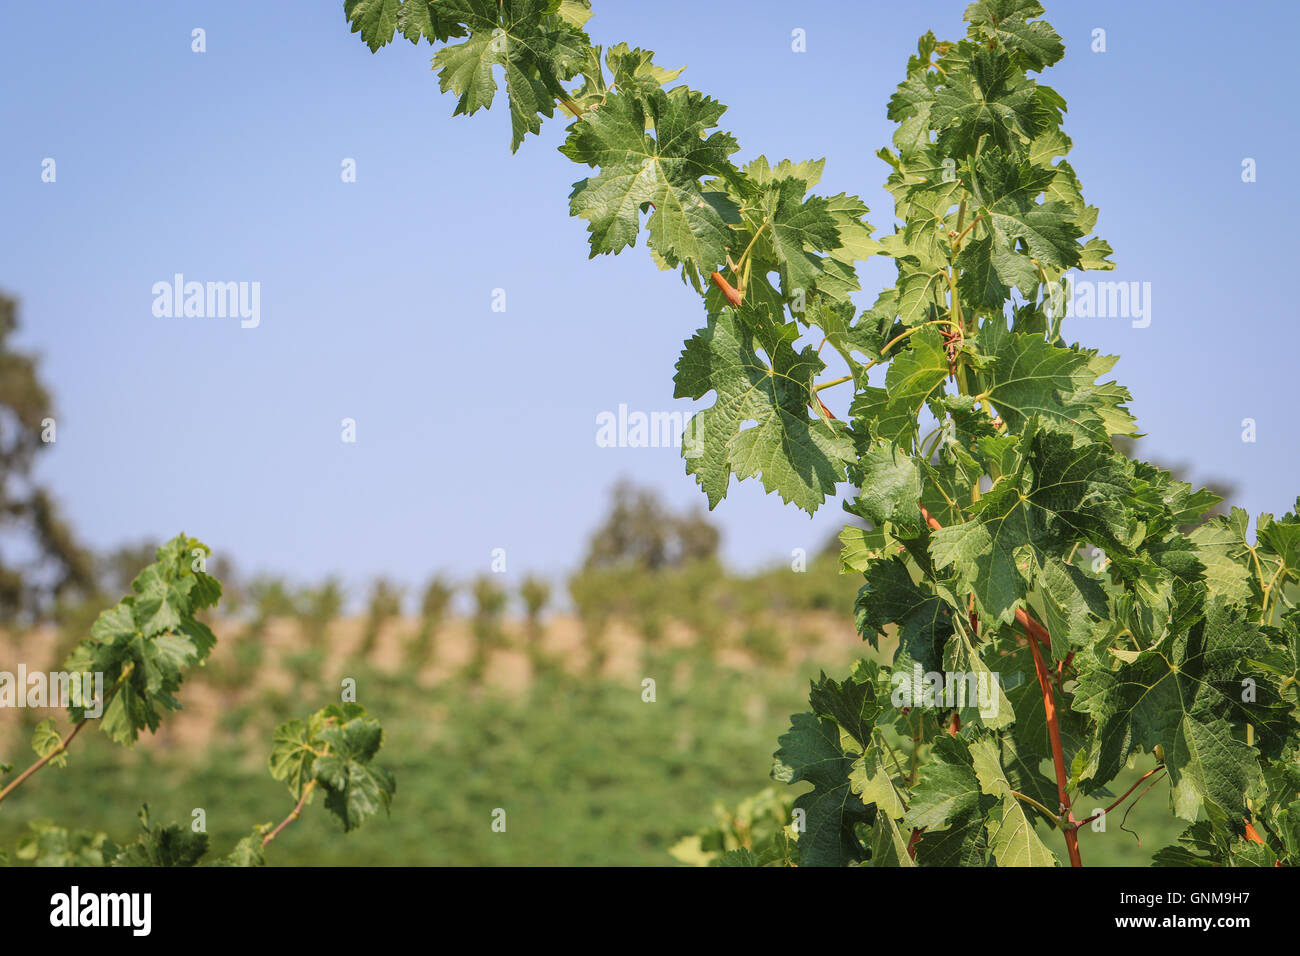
(48, 844)
(758, 832)
(142, 647)
(1014, 523)
(333, 751)
(1161, 648)
(539, 44)
(657, 151)
(144, 644)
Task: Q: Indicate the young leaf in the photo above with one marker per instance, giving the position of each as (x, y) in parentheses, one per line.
(46, 740)
(354, 790)
(162, 845)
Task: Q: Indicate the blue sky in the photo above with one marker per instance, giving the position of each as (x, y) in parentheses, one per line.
(475, 428)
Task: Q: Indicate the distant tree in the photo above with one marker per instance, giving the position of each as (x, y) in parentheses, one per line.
(536, 594)
(51, 564)
(316, 608)
(489, 605)
(437, 597)
(385, 602)
(595, 604)
(271, 598)
(433, 609)
(643, 532)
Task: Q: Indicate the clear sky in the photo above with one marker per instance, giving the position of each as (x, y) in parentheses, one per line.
(476, 429)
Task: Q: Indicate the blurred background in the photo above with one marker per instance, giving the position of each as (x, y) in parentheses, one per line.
(499, 582)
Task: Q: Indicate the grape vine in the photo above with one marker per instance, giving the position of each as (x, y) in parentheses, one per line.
(1062, 612)
(142, 647)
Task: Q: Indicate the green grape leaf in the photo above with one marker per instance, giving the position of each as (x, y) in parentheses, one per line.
(890, 484)
(633, 69)
(375, 20)
(652, 150)
(162, 846)
(293, 754)
(1061, 493)
(988, 98)
(536, 49)
(146, 642)
(855, 243)
(978, 692)
(1013, 840)
(913, 378)
(889, 596)
(1282, 660)
(811, 751)
(741, 857)
(160, 602)
(964, 842)
(842, 333)
(790, 232)
(378, 20)
(1279, 547)
(888, 846)
(1198, 847)
(1221, 546)
(871, 780)
(1073, 605)
(947, 790)
(1037, 43)
(1185, 695)
(852, 704)
(860, 547)
(48, 845)
(990, 269)
(46, 740)
(354, 790)
(248, 851)
(1095, 255)
(425, 19)
(799, 457)
(1027, 376)
(919, 290)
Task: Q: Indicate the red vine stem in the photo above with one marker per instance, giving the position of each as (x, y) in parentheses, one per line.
(915, 839)
(1039, 635)
(294, 814)
(1125, 797)
(62, 748)
(1069, 824)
